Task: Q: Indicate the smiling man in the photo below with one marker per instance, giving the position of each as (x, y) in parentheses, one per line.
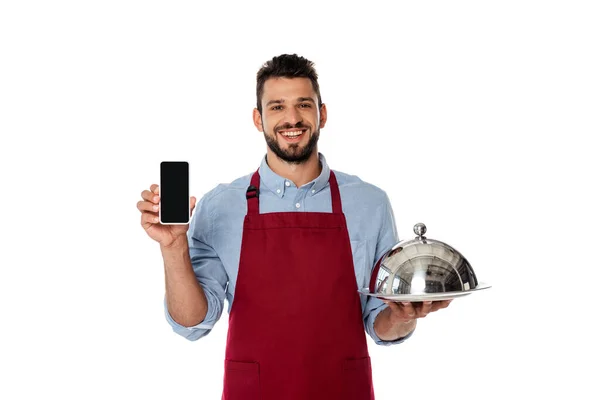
(293, 116)
(288, 246)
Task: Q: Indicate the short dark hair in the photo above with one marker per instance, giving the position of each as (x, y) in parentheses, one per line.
(288, 66)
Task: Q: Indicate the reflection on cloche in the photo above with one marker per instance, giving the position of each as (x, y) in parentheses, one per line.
(422, 266)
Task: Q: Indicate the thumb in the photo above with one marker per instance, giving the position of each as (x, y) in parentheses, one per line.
(192, 204)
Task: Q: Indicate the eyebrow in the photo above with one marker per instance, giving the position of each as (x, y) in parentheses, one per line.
(300, 99)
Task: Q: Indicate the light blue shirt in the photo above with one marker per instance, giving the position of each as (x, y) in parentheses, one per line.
(215, 235)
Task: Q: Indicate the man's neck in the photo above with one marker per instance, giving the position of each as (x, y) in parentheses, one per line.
(300, 174)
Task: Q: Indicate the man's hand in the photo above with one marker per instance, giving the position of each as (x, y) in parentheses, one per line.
(399, 319)
(406, 311)
(166, 235)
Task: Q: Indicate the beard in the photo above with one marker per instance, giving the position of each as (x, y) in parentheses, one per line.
(294, 154)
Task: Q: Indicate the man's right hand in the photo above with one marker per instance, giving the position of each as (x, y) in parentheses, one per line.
(166, 235)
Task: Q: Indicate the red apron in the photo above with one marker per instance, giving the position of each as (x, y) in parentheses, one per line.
(295, 326)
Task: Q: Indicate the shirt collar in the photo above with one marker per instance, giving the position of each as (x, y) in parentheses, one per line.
(276, 183)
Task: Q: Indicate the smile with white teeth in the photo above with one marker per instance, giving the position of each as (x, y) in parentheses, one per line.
(292, 134)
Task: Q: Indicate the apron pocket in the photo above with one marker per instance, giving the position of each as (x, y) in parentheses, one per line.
(241, 381)
(358, 384)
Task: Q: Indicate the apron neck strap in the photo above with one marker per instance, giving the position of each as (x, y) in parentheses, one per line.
(252, 194)
(336, 201)
(253, 190)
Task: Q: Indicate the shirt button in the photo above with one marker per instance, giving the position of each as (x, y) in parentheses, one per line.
(278, 190)
(287, 183)
(313, 190)
(297, 205)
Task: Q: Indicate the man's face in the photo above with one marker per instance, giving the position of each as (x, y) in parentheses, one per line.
(290, 118)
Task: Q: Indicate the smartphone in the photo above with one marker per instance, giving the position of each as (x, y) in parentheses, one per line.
(174, 192)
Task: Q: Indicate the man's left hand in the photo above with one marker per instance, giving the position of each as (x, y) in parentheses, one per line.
(406, 311)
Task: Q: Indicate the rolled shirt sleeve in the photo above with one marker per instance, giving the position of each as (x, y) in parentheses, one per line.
(209, 271)
(388, 237)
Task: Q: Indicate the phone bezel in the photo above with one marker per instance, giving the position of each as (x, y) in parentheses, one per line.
(160, 197)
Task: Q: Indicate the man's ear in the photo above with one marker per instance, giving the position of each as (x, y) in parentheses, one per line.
(257, 120)
(323, 113)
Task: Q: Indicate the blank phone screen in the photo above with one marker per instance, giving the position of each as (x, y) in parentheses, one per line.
(174, 192)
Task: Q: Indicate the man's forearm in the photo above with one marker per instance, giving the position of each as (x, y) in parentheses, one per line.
(389, 330)
(186, 300)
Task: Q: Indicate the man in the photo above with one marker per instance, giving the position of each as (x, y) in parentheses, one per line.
(288, 246)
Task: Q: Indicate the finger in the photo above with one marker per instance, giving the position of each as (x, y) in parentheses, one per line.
(438, 305)
(149, 219)
(409, 309)
(395, 307)
(150, 196)
(192, 204)
(424, 309)
(154, 188)
(398, 311)
(147, 206)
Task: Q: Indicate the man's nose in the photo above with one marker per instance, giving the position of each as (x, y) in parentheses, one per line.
(293, 116)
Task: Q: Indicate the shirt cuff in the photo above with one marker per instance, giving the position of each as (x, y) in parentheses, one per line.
(371, 329)
(190, 332)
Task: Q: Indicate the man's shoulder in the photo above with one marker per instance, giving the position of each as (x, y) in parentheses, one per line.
(353, 185)
(224, 193)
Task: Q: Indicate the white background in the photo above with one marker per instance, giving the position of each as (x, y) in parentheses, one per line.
(478, 118)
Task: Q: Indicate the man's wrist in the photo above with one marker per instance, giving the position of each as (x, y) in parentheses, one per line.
(390, 329)
(180, 243)
(176, 254)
